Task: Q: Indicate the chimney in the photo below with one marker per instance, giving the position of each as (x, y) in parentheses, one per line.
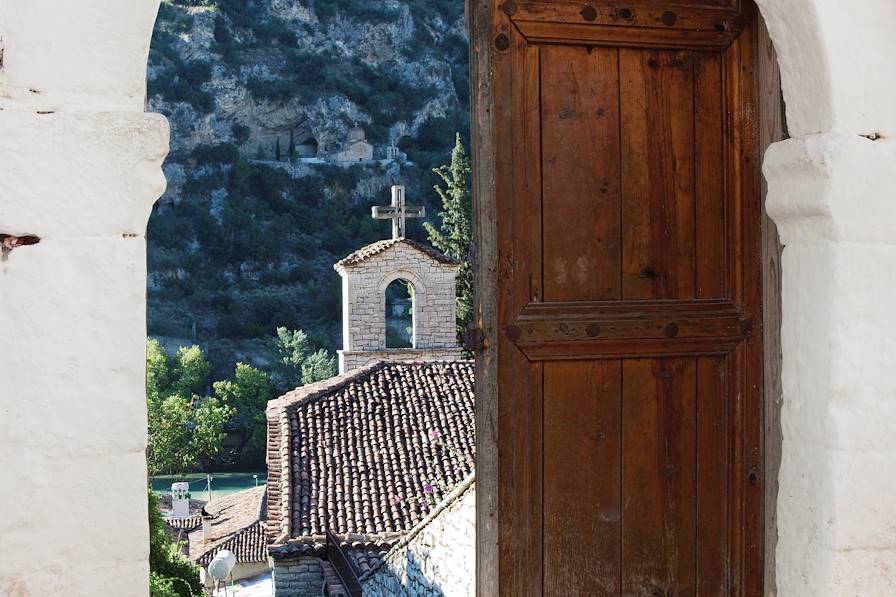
(180, 500)
(206, 528)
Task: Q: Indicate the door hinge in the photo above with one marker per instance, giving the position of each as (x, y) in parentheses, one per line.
(474, 338)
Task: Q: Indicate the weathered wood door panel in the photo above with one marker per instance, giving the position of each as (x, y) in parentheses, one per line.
(628, 299)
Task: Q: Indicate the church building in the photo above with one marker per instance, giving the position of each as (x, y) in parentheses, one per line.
(370, 473)
(398, 297)
(356, 149)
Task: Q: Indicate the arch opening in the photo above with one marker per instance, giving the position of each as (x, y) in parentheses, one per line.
(400, 320)
(308, 148)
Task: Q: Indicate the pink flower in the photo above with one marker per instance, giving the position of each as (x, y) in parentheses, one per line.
(428, 488)
(396, 499)
(434, 434)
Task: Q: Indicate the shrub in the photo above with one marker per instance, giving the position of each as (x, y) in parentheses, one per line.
(276, 90)
(222, 153)
(221, 32)
(171, 574)
(240, 133)
(432, 134)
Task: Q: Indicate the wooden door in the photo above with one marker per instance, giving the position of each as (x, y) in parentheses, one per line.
(627, 342)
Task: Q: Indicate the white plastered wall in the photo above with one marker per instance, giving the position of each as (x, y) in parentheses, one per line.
(80, 169)
(72, 308)
(832, 193)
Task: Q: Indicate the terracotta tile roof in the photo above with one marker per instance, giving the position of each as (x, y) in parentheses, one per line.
(187, 524)
(164, 501)
(248, 545)
(237, 525)
(458, 492)
(378, 247)
(366, 455)
(366, 560)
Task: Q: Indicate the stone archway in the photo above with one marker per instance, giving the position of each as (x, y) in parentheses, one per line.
(830, 194)
(81, 169)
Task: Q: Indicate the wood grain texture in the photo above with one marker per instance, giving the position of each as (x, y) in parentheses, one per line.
(657, 128)
(580, 160)
(574, 330)
(482, 100)
(518, 197)
(643, 24)
(709, 177)
(658, 477)
(618, 36)
(582, 449)
(772, 129)
(627, 330)
(712, 466)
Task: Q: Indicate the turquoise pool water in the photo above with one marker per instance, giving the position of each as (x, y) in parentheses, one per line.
(222, 483)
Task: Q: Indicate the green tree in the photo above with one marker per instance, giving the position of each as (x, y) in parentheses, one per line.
(297, 360)
(168, 449)
(209, 422)
(288, 350)
(291, 149)
(184, 428)
(170, 573)
(221, 32)
(191, 371)
(454, 237)
(247, 393)
(318, 367)
(158, 371)
(159, 586)
(277, 155)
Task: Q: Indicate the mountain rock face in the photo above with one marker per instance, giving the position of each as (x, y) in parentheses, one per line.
(261, 95)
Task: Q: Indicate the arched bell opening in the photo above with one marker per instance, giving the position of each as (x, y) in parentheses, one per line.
(400, 324)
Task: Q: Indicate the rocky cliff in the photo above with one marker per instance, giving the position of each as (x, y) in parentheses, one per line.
(261, 95)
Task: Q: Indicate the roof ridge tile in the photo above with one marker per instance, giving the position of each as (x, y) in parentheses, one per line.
(373, 249)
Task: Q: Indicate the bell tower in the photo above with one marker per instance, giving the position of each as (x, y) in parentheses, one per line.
(398, 297)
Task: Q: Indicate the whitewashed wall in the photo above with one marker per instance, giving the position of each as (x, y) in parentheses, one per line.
(79, 167)
(832, 193)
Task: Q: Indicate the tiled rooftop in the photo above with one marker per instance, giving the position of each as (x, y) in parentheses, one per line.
(368, 453)
(248, 545)
(237, 525)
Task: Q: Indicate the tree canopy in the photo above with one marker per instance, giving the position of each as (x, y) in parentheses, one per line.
(247, 393)
(190, 416)
(184, 427)
(454, 236)
(297, 360)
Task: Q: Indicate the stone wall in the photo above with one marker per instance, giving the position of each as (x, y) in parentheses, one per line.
(364, 304)
(437, 558)
(298, 577)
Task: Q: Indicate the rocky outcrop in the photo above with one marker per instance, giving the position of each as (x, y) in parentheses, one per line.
(258, 83)
(245, 236)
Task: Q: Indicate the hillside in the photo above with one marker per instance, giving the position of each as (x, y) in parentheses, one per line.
(261, 95)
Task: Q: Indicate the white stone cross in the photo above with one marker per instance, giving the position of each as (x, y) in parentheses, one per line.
(398, 212)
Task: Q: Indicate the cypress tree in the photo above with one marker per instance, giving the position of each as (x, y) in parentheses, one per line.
(454, 237)
(291, 150)
(277, 150)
